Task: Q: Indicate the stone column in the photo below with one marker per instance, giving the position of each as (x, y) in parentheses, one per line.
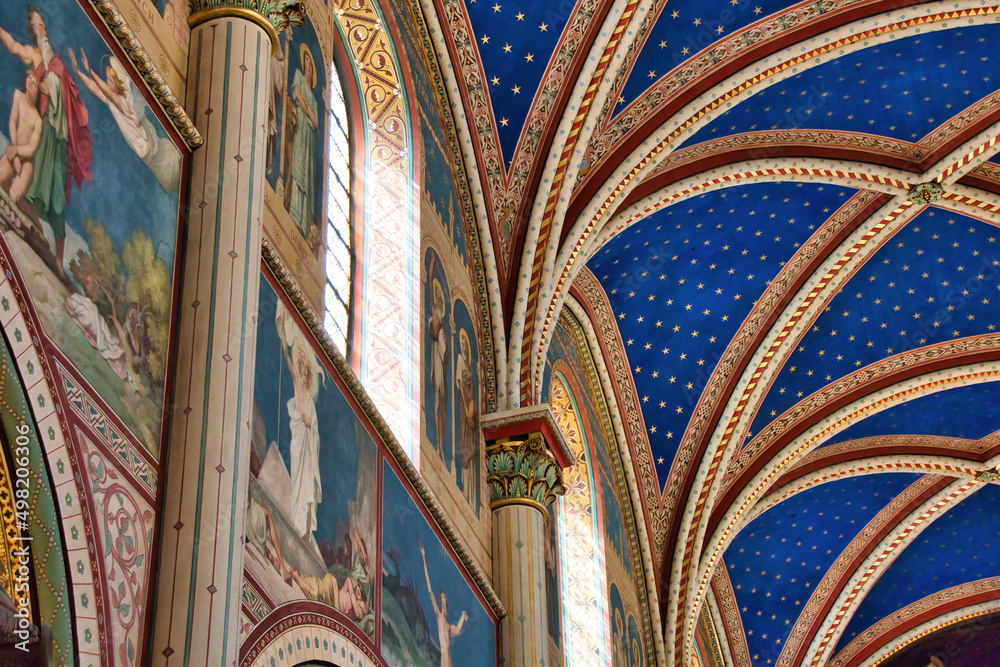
(200, 571)
(523, 479)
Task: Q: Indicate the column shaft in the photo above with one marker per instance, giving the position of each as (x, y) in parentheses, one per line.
(519, 579)
(201, 555)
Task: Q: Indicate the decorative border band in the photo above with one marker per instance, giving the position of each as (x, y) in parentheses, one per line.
(151, 76)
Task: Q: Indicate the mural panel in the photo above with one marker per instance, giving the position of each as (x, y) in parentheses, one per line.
(437, 355)
(619, 630)
(614, 526)
(451, 400)
(636, 656)
(427, 620)
(296, 131)
(311, 513)
(99, 270)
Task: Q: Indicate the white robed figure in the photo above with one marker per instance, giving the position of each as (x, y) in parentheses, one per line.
(129, 112)
(306, 491)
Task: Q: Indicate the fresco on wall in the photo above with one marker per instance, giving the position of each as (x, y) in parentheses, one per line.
(430, 615)
(437, 354)
(451, 389)
(614, 526)
(311, 513)
(296, 131)
(619, 629)
(552, 592)
(467, 449)
(636, 656)
(440, 191)
(99, 270)
(439, 176)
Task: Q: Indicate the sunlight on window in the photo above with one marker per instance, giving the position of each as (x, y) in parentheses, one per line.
(338, 226)
(582, 566)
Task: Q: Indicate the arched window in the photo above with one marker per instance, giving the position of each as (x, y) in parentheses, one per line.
(583, 579)
(337, 318)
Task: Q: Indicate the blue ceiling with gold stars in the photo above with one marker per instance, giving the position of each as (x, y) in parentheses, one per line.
(681, 31)
(775, 563)
(902, 90)
(515, 40)
(683, 280)
(937, 279)
(961, 546)
(934, 414)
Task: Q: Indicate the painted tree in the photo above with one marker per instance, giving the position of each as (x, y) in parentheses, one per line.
(148, 288)
(132, 291)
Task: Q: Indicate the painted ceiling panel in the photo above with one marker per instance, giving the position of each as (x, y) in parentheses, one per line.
(515, 39)
(902, 90)
(681, 281)
(961, 546)
(936, 280)
(683, 30)
(971, 412)
(776, 562)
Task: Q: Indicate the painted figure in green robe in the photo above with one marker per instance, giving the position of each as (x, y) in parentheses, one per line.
(300, 189)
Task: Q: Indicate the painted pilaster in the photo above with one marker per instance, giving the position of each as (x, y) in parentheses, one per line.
(523, 479)
(201, 555)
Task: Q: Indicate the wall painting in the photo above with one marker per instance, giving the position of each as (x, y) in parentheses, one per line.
(297, 128)
(431, 616)
(451, 387)
(311, 513)
(99, 268)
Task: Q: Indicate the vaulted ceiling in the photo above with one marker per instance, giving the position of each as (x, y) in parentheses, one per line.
(782, 220)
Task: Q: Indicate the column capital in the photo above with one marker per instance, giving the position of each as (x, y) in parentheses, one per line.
(514, 424)
(271, 15)
(521, 471)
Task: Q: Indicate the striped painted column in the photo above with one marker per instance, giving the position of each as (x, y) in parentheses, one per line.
(523, 479)
(201, 554)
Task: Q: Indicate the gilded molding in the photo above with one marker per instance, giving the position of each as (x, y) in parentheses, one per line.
(991, 475)
(315, 324)
(151, 76)
(522, 471)
(925, 193)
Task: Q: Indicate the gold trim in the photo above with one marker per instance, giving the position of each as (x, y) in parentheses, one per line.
(315, 324)
(504, 502)
(206, 15)
(151, 76)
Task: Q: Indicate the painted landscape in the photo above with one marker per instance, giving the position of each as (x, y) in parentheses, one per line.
(98, 264)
